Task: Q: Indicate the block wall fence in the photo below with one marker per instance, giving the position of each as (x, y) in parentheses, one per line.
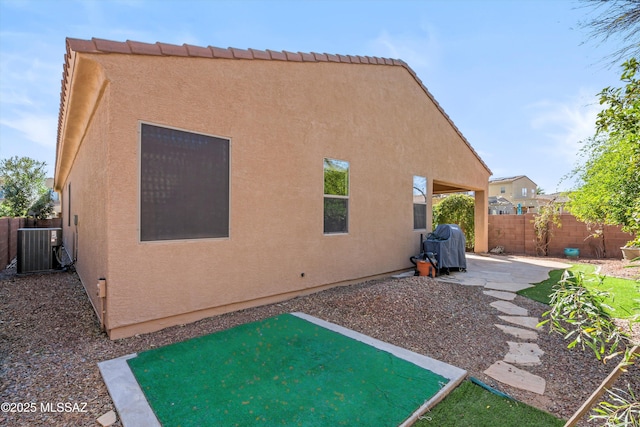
(516, 234)
(9, 235)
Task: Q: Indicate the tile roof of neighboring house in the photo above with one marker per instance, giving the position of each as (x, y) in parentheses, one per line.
(508, 179)
(554, 197)
(102, 46)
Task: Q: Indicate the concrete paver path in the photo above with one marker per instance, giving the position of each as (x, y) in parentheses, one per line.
(502, 276)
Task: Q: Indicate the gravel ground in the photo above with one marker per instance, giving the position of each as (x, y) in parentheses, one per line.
(50, 340)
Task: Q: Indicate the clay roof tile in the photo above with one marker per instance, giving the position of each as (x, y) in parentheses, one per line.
(320, 56)
(109, 46)
(332, 58)
(292, 56)
(307, 57)
(144, 48)
(260, 54)
(172, 49)
(241, 53)
(198, 51)
(219, 52)
(81, 45)
(279, 56)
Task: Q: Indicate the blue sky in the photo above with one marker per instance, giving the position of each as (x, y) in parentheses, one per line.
(516, 77)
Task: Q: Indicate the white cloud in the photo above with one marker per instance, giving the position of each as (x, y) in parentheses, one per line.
(41, 129)
(566, 123)
(418, 50)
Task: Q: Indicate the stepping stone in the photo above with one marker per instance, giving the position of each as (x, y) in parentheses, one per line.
(516, 377)
(510, 296)
(509, 308)
(526, 354)
(523, 334)
(107, 419)
(509, 287)
(527, 322)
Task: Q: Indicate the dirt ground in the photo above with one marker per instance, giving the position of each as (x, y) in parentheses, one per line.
(51, 342)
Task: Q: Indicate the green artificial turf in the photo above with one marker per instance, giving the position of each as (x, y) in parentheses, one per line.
(622, 300)
(469, 405)
(282, 371)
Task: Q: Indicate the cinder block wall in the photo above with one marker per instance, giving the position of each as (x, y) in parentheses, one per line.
(9, 239)
(517, 235)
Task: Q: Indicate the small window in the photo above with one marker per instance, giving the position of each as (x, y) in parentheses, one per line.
(419, 203)
(69, 205)
(184, 185)
(336, 196)
(502, 190)
(524, 192)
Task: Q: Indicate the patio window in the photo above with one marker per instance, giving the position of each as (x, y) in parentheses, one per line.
(184, 185)
(419, 203)
(336, 196)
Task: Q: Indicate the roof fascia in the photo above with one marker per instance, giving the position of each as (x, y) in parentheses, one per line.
(84, 86)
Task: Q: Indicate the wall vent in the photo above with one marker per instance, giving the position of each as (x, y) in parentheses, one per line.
(36, 249)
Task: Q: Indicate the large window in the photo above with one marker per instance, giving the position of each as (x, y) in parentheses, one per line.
(336, 196)
(184, 185)
(419, 203)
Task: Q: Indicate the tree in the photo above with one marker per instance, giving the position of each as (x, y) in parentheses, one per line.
(609, 177)
(548, 216)
(457, 209)
(24, 185)
(617, 18)
(579, 313)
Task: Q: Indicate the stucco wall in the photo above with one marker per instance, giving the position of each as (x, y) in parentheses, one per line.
(282, 118)
(89, 199)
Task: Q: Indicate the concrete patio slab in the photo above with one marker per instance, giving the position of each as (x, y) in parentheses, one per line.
(527, 322)
(524, 334)
(525, 354)
(516, 377)
(509, 308)
(508, 296)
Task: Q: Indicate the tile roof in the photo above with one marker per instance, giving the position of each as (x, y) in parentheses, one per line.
(507, 179)
(102, 46)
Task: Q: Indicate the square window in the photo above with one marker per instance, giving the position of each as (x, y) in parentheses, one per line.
(336, 196)
(184, 185)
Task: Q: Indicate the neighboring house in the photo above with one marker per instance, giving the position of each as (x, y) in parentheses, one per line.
(517, 190)
(500, 206)
(199, 180)
(558, 199)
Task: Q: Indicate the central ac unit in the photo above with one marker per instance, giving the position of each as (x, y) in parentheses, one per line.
(37, 249)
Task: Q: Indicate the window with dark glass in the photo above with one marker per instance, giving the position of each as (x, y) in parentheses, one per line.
(184, 185)
(336, 196)
(419, 203)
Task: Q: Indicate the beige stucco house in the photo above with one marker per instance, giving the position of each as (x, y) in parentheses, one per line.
(199, 180)
(517, 190)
